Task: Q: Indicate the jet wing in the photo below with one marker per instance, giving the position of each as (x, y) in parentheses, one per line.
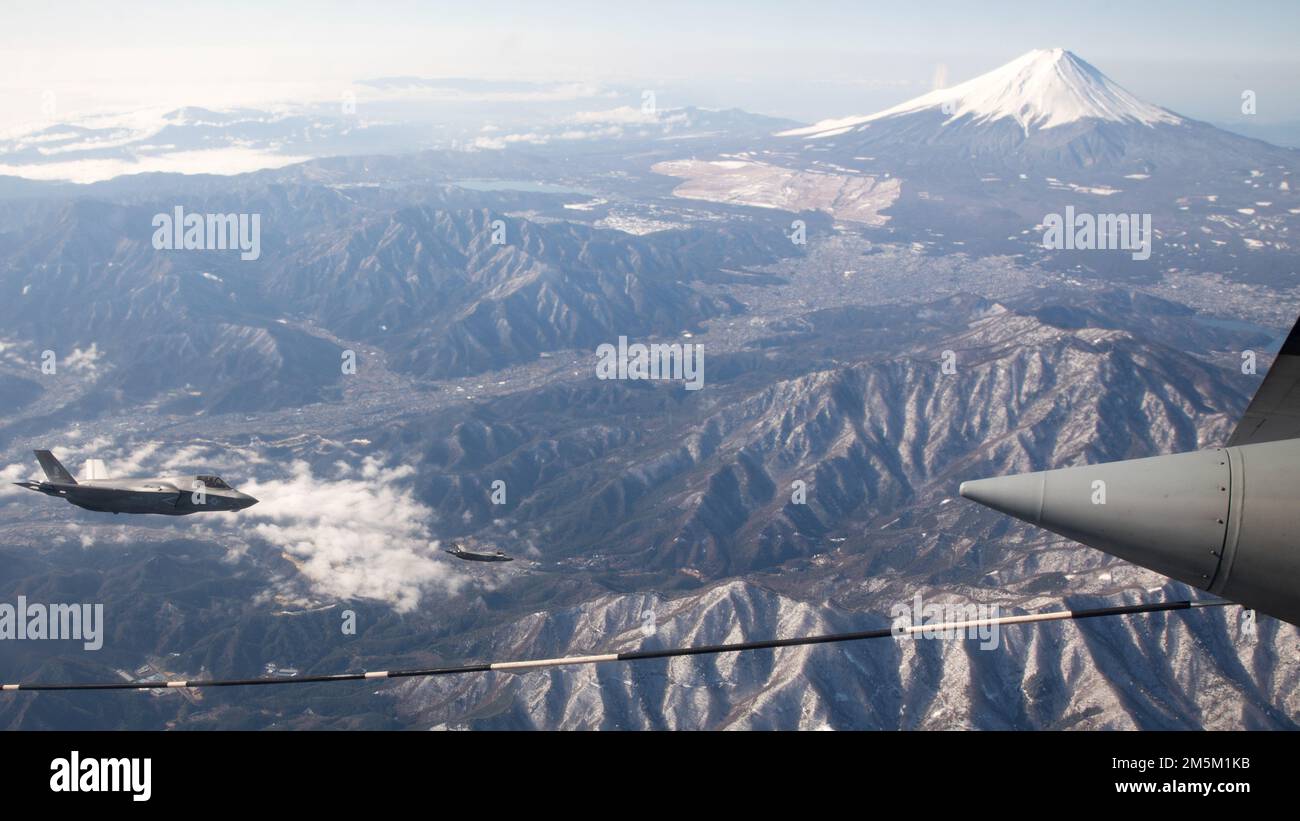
(1274, 413)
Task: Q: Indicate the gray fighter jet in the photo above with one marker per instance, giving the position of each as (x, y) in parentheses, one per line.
(179, 496)
(1225, 520)
(461, 552)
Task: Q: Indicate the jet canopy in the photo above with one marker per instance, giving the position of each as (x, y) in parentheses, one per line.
(213, 482)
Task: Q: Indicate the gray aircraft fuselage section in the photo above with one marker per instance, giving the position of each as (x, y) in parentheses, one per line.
(1225, 520)
(166, 497)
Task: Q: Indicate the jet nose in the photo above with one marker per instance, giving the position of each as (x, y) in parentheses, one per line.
(1020, 495)
(245, 501)
(1167, 513)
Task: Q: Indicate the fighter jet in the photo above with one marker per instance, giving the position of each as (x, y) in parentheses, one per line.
(179, 496)
(459, 551)
(1225, 520)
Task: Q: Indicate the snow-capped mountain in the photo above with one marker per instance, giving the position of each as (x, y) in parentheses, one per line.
(1047, 111)
(975, 167)
(1041, 89)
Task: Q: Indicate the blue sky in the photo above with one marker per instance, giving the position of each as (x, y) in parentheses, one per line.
(801, 59)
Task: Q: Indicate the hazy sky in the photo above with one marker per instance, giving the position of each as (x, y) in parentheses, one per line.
(801, 59)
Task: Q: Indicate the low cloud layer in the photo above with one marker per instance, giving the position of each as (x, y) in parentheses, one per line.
(364, 535)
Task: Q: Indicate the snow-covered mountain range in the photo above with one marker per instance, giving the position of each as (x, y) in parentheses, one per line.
(829, 273)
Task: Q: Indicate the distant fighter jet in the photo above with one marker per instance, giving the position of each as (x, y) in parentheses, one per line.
(458, 550)
(1225, 520)
(179, 496)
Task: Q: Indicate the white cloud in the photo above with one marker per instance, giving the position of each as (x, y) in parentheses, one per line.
(364, 538)
(353, 531)
(232, 160)
(622, 114)
(83, 361)
(542, 138)
(434, 90)
(10, 474)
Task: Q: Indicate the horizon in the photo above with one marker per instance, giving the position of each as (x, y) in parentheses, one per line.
(727, 55)
(119, 139)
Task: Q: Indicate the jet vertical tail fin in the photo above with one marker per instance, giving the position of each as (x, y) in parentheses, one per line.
(1274, 413)
(54, 470)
